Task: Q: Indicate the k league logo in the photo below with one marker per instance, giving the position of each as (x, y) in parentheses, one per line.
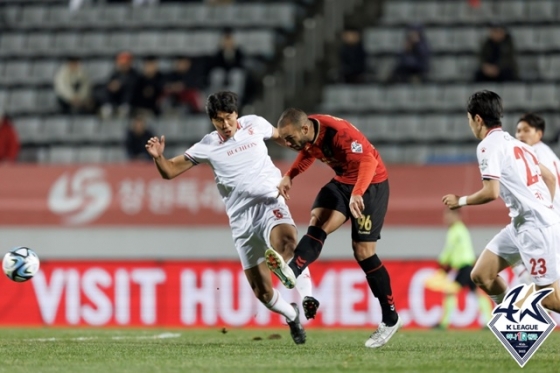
(520, 322)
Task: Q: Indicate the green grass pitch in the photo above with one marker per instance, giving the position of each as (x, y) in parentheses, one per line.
(253, 350)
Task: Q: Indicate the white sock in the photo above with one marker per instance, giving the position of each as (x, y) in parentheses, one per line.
(498, 298)
(304, 285)
(279, 305)
(522, 274)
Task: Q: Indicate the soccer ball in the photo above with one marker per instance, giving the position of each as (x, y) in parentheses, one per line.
(20, 264)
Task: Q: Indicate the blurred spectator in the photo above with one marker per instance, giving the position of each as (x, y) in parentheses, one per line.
(352, 57)
(136, 138)
(229, 56)
(184, 85)
(120, 88)
(413, 63)
(497, 57)
(149, 87)
(228, 72)
(9, 141)
(73, 87)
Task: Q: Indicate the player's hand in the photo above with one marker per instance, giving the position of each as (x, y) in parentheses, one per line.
(356, 205)
(155, 146)
(451, 201)
(284, 187)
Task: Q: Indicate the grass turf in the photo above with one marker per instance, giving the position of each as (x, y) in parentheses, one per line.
(251, 350)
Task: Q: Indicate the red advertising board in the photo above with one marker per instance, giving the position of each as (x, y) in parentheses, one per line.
(212, 294)
(134, 195)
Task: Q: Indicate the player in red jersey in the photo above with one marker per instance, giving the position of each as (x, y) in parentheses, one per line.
(359, 192)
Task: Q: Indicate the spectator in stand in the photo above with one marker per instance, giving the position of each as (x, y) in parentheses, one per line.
(9, 141)
(136, 138)
(149, 88)
(413, 63)
(228, 72)
(229, 56)
(497, 57)
(352, 57)
(184, 85)
(73, 87)
(120, 87)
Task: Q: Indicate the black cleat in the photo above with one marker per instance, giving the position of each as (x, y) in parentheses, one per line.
(310, 306)
(296, 329)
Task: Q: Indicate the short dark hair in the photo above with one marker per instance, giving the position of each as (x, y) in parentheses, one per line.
(292, 116)
(224, 101)
(533, 120)
(488, 105)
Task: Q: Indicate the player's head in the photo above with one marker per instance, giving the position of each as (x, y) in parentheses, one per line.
(222, 109)
(530, 128)
(484, 110)
(295, 128)
(451, 216)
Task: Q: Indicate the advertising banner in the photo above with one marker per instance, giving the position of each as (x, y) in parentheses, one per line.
(135, 195)
(214, 294)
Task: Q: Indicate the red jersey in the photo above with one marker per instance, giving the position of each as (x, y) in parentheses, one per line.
(346, 150)
(9, 142)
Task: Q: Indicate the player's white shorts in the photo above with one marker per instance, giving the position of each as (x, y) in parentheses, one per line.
(251, 229)
(538, 248)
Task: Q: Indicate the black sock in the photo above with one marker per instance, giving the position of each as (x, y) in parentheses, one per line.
(308, 249)
(380, 285)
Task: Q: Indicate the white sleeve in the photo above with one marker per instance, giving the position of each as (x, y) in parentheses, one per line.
(489, 161)
(263, 127)
(198, 153)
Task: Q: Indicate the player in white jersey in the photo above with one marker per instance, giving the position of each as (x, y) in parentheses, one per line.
(246, 179)
(530, 130)
(510, 170)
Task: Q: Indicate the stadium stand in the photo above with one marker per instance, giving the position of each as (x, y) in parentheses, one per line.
(38, 35)
(414, 117)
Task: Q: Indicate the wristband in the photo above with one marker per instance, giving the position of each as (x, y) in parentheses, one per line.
(462, 201)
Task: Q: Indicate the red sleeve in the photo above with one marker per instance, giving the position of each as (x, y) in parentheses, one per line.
(302, 163)
(366, 171)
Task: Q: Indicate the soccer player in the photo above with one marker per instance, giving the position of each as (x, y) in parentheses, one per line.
(510, 169)
(359, 192)
(458, 255)
(247, 180)
(530, 130)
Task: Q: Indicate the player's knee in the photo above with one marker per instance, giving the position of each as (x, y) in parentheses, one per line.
(551, 302)
(479, 277)
(363, 250)
(264, 294)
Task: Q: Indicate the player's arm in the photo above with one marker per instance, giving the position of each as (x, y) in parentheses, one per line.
(168, 168)
(276, 137)
(489, 192)
(549, 180)
(303, 161)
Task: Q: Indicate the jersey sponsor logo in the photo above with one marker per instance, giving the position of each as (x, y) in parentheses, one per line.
(251, 131)
(82, 197)
(520, 323)
(241, 148)
(356, 147)
(484, 164)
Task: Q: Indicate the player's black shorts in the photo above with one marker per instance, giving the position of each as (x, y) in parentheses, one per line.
(463, 277)
(336, 196)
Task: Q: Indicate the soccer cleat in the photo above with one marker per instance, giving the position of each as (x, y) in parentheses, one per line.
(382, 335)
(296, 329)
(278, 266)
(310, 306)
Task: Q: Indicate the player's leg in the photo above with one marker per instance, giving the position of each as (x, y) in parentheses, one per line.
(365, 233)
(485, 275)
(541, 256)
(283, 238)
(261, 283)
(330, 210)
